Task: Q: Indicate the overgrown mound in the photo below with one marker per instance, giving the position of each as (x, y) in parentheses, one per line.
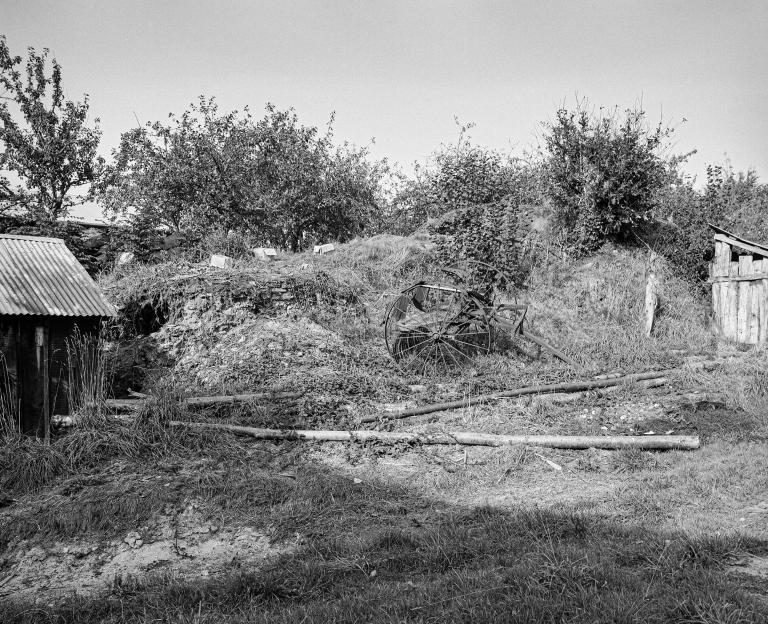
(314, 323)
(595, 308)
(305, 322)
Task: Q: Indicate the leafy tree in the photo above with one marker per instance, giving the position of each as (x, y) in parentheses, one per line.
(189, 174)
(274, 178)
(604, 173)
(47, 149)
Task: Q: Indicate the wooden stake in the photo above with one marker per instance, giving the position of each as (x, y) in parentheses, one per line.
(652, 292)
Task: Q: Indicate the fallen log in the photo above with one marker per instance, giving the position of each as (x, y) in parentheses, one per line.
(470, 438)
(505, 394)
(134, 404)
(571, 397)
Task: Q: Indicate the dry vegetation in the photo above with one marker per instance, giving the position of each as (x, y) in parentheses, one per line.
(366, 532)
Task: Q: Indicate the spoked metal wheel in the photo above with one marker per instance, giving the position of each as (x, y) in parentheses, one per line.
(432, 328)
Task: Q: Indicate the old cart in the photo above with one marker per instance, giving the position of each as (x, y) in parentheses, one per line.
(432, 327)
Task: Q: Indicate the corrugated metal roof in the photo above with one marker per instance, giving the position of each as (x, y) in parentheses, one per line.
(41, 276)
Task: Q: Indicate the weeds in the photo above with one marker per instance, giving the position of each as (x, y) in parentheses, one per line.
(10, 421)
(89, 378)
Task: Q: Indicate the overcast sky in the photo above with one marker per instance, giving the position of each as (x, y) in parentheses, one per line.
(400, 71)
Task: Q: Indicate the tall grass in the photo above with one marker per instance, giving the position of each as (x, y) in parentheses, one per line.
(10, 411)
(88, 375)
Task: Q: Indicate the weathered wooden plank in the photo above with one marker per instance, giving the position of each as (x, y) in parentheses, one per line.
(722, 260)
(734, 270)
(732, 308)
(723, 309)
(717, 311)
(753, 330)
(742, 326)
(763, 337)
(745, 265)
(741, 278)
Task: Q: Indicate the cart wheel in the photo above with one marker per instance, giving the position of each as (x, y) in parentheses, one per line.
(431, 328)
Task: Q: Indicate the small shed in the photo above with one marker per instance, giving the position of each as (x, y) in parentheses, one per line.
(739, 277)
(45, 295)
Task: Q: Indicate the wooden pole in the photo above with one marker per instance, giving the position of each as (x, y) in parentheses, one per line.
(506, 394)
(471, 438)
(652, 292)
(41, 359)
(548, 347)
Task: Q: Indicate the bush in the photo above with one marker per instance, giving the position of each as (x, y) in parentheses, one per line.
(603, 174)
(486, 233)
(459, 176)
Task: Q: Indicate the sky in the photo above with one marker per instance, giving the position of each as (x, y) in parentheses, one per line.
(401, 72)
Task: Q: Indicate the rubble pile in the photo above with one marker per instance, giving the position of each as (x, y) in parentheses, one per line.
(218, 347)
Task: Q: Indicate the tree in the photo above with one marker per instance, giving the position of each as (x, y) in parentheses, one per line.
(195, 171)
(276, 179)
(604, 173)
(48, 150)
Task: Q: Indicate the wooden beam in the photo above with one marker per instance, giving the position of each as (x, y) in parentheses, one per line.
(754, 248)
(739, 278)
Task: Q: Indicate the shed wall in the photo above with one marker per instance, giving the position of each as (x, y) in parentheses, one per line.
(740, 295)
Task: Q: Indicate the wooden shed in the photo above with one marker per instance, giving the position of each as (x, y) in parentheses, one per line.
(739, 276)
(45, 295)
